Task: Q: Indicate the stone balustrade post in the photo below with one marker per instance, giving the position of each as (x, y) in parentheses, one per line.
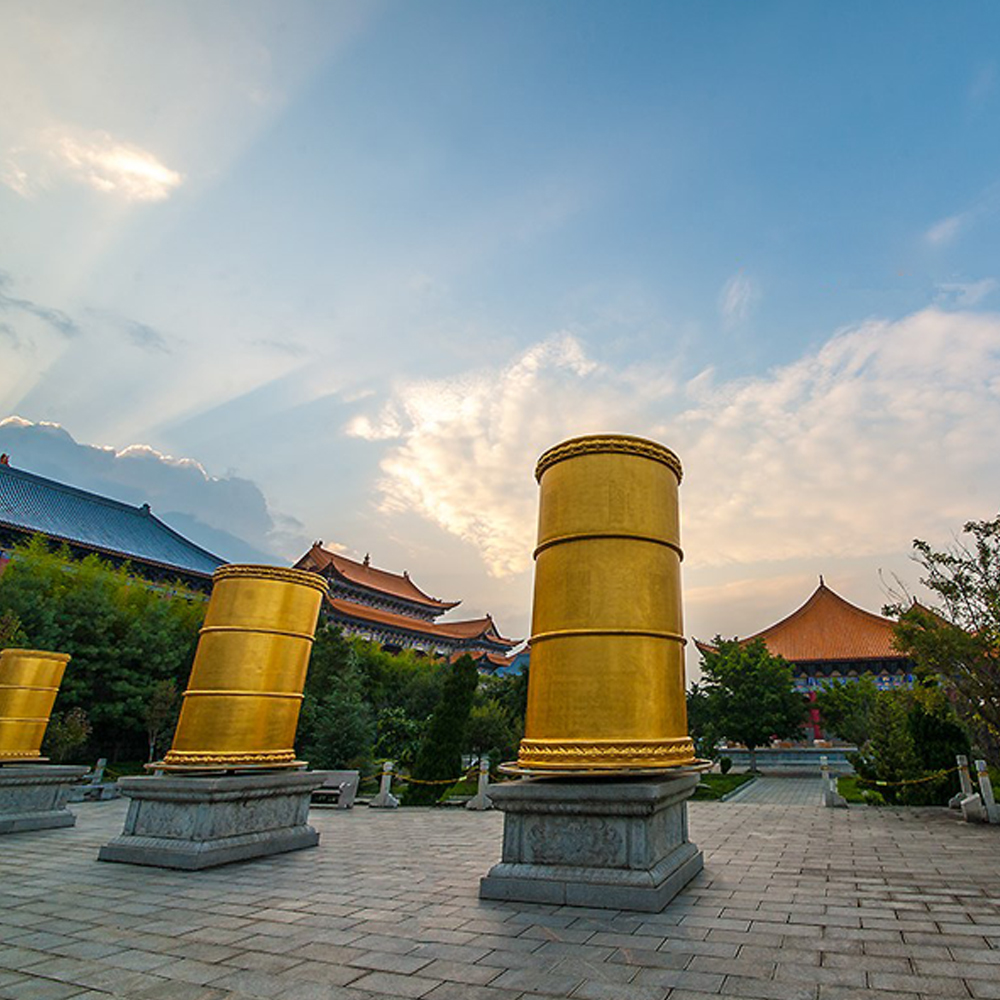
(481, 799)
(991, 813)
(832, 799)
(955, 802)
(385, 799)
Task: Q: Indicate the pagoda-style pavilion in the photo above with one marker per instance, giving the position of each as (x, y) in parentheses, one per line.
(830, 641)
(390, 609)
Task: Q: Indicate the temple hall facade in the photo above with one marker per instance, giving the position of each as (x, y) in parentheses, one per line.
(391, 610)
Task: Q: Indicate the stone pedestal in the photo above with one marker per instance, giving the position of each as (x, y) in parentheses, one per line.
(613, 843)
(33, 796)
(199, 822)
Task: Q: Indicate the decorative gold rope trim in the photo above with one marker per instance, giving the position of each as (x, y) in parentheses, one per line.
(212, 758)
(279, 574)
(26, 687)
(572, 754)
(25, 718)
(595, 444)
(569, 633)
(584, 536)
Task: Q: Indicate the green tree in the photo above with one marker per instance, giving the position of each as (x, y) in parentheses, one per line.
(162, 709)
(491, 733)
(751, 698)
(397, 736)
(399, 680)
(11, 634)
(440, 754)
(958, 641)
(335, 726)
(124, 635)
(846, 709)
(67, 733)
(701, 721)
(890, 755)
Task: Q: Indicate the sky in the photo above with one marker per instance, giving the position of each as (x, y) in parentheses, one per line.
(301, 270)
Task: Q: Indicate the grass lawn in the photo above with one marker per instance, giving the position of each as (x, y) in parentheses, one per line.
(713, 786)
(848, 787)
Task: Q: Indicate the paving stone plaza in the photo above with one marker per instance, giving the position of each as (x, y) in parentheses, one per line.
(796, 902)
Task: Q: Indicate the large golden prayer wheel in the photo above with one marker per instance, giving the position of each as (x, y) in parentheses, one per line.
(606, 683)
(29, 683)
(241, 708)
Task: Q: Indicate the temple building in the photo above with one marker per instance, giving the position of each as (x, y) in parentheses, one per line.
(829, 640)
(390, 609)
(90, 523)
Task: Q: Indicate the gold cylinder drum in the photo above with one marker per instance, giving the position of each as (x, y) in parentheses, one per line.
(606, 682)
(29, 683)
(241, 708)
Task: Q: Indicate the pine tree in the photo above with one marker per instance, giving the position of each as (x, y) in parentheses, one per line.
(440, 754)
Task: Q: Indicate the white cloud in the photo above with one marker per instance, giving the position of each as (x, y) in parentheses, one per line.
(885, 433)
(965, 294)
(97, 159)
(947, 230)
(944, 232)
(737, 298)
(468, 444)
(226, 514)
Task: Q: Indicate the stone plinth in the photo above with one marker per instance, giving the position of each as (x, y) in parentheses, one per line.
(614, 843)
(33, 796)
(199, 822)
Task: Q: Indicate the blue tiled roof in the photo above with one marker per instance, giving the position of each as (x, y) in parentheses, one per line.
(36, 504)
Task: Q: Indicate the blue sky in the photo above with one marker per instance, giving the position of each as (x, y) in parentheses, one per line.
(358, 263)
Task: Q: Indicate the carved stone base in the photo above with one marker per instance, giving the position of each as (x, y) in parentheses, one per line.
(199, 822)
(613, 843)
(33, 796)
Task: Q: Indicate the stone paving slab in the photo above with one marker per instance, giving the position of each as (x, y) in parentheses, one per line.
(796, 902)
(786, 790)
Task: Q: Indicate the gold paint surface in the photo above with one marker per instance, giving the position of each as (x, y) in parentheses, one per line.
(606, 682)
(241, 707)
(29, 683)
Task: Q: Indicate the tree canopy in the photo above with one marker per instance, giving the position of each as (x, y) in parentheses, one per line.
(125, 635)
(750, 695)
(958, 641)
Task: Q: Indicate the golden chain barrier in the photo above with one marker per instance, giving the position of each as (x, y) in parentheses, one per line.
(442, 781)
(909, 781)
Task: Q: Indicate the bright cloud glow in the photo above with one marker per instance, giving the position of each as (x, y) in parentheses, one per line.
(883, 433)
(97, 159)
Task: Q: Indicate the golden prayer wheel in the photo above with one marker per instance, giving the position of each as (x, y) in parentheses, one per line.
(606, 682)
(29, 683)
(241, 708)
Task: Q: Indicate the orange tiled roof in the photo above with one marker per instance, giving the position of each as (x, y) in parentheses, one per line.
(827, 627)
(393, 584)
(494, 658)
(471, 629)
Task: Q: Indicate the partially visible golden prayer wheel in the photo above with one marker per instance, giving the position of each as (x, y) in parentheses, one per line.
(29, 683)
(606, 682)
(241, 708)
